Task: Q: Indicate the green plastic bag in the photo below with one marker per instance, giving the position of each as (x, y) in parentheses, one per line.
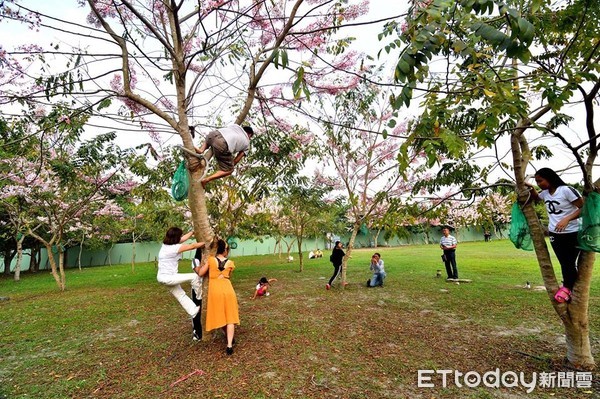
(589, 230)
(519, 229)
(181, 183)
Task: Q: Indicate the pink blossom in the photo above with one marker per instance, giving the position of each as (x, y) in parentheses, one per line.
(64, 119)
(274, 148)
(296, 156)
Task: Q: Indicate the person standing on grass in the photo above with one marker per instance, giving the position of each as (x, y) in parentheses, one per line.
(222, 306)
(196, 295)
(448, 244)
(487, 236)
(336, 258)
(563, 204)
(168, 268)
(229, 145)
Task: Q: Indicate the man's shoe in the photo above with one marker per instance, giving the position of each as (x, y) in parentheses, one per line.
(327, 287)
(195, 336)
(229, 351)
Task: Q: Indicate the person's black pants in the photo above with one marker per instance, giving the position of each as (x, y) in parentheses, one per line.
(336, 272)
(197, 320)
(450, 263)
(565, 248)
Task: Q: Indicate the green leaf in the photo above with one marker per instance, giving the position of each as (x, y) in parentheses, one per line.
(526, 31)
(403, 67)
(306, 92)
(284, 59)
(276, 58)
(490, 33)
(104, 104)
(297, 85)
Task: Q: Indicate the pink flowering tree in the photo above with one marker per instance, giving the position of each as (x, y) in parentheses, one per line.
(172, 64)
(494, 211)
(60, 190)
(365, 156)
(282, 231)
(306, 212)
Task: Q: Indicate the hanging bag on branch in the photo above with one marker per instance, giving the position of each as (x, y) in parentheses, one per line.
(181, 183)
(589, 230)
(519, 229)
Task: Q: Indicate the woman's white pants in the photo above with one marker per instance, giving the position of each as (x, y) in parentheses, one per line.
(173, 281)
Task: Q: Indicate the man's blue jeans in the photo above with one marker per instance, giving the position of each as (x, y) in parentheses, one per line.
(377, 279)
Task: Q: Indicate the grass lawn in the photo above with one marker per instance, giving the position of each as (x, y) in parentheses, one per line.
(118, 334)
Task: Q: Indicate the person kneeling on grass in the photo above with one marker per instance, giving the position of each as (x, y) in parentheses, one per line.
(378, 271)
(262, 288)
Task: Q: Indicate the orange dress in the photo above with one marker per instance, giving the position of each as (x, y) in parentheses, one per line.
(222, 304)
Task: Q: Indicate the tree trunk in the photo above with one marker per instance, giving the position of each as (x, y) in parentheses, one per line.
(355, 229)
(202, 230)
(289, 247)
(61, 267)
(133, 253)
(80, 251)
(575, 316)
(376, 238)
(19, 257)
(277, 245)
(8, 257)
(57, 277)
(34, 262)
(112, 244)
(426, 234)
(300, 257)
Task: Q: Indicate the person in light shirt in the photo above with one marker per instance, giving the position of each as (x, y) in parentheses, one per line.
(448, 244)
(229, 145)
(168, 268)
(563, 204)
(377, 267)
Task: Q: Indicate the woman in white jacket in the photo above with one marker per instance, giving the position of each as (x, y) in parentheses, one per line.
(168, 267)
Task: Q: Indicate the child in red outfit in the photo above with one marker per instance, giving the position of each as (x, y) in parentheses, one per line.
(262, 288)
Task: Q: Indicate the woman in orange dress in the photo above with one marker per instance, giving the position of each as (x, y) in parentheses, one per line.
(222, 305)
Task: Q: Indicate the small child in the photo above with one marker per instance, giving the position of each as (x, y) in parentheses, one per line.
(262, 288)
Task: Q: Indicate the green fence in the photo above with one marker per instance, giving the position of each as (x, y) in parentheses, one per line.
(148, 251)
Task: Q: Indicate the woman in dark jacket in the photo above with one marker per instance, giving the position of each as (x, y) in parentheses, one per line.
(336, 258)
